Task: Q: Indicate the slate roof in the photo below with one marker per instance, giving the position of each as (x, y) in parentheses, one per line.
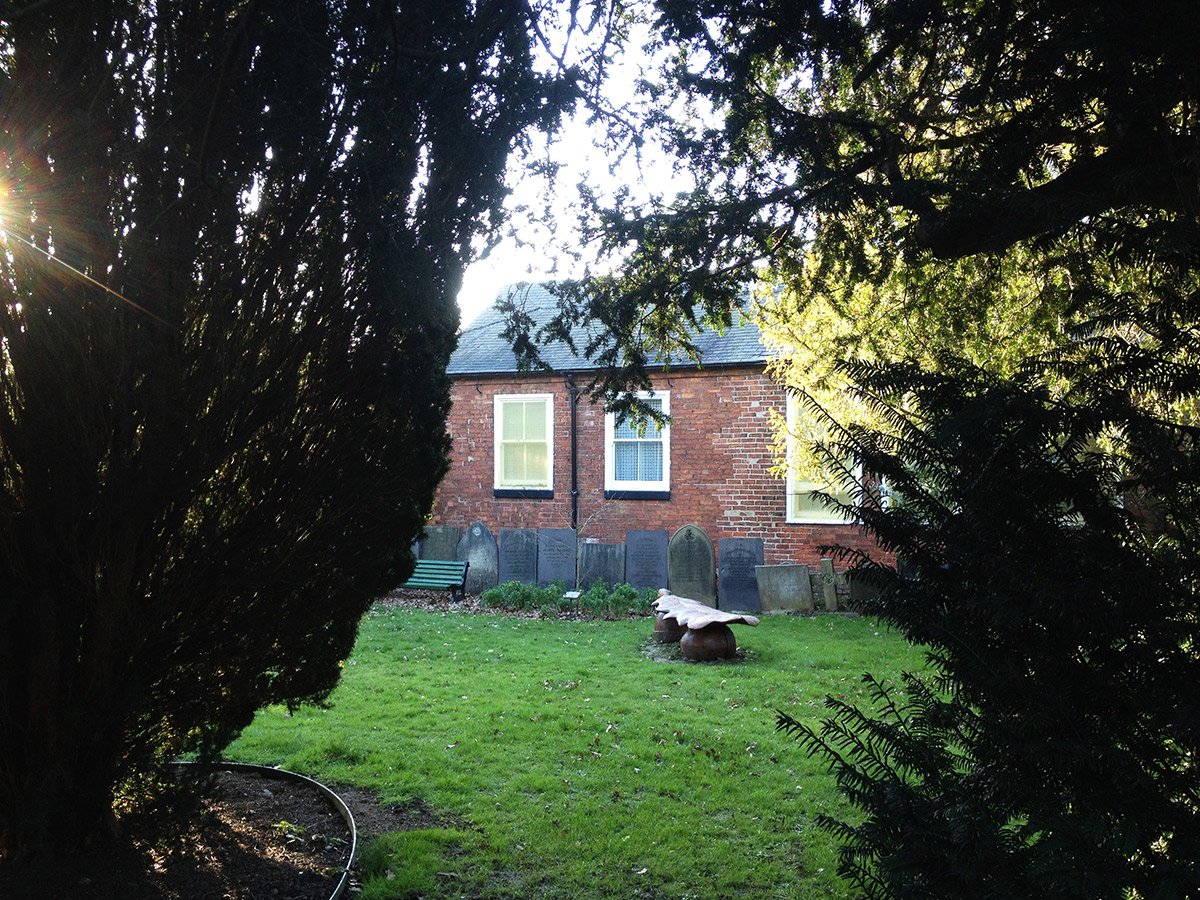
(483, 351)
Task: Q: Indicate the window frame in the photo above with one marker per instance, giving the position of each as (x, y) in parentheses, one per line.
(539, 491)
(791, 489)
(616, 489)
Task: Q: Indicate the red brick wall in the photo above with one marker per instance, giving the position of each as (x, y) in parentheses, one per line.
(720, 466)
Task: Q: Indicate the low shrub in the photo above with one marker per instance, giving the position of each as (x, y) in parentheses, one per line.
(516, 596)
(597, 602)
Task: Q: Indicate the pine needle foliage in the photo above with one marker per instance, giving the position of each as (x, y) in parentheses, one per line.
(1056, 583)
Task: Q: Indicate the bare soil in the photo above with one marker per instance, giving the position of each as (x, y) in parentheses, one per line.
(255, 838)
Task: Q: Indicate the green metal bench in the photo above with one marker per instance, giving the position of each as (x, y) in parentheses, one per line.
(439, 574)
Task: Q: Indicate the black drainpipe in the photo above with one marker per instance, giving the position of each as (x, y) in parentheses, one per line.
(574, 391)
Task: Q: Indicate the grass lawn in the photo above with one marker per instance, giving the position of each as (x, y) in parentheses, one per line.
(576, 766)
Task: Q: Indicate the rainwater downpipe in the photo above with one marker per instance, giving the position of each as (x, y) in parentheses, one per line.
(574, 393)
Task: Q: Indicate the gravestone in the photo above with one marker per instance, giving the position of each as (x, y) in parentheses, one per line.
(440, 541)
(829, 585)
(518, 555)
(601, 561)
(478, 547)
(737, 586)
(691, 565)
(646, 558)
(785, 588)
(556, 556)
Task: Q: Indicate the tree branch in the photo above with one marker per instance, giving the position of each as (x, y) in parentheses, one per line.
(1144, 173)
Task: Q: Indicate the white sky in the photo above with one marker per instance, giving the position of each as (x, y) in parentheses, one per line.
(548, 253)
(539, 250)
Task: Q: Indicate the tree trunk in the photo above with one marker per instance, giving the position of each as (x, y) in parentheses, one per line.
(61, 723)
(58, 799)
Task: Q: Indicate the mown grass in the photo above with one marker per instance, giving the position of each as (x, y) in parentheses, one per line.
(574, 765)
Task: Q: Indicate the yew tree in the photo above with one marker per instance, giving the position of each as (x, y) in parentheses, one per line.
(232, 234)
(917, 160)
(921, 174)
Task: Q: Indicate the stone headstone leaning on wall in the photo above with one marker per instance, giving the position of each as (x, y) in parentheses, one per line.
(556, 556)
(441, 541)
(604, 562)
(646, 558)
(478, 547)
(738, 585)
(518, 555)
(691, 565)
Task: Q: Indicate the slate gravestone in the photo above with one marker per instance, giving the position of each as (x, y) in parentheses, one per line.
(785, 588)
(691, 565)
(737, 584)
(601, 562)
(478, 547)
(556, 556)
(518, 555)
(440, 541)
(646, 558)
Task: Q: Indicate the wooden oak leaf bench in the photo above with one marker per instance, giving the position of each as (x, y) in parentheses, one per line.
(439, 575)
(702, 631)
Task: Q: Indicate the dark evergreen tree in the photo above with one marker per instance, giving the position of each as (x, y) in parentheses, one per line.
(845, 138)
(1049, 519)
(232, 235)
(1050, 750)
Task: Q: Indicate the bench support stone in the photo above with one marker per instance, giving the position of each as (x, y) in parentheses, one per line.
(667, 629)
(715, 641)
(706, 634)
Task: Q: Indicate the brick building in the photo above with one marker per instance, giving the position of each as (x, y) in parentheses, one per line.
(513, 465)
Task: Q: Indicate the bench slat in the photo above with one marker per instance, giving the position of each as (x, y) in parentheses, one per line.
(443, 574)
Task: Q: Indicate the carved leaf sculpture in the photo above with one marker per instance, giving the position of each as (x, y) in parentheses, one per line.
(694, 614)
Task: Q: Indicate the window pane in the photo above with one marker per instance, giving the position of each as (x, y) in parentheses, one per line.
(536, 459)
(626, 431)
(650, 461)
(524, 464)
(535, 420)
(512, 420)
(802, 505)
(638, 461)
(625, 463)
(512, 464)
